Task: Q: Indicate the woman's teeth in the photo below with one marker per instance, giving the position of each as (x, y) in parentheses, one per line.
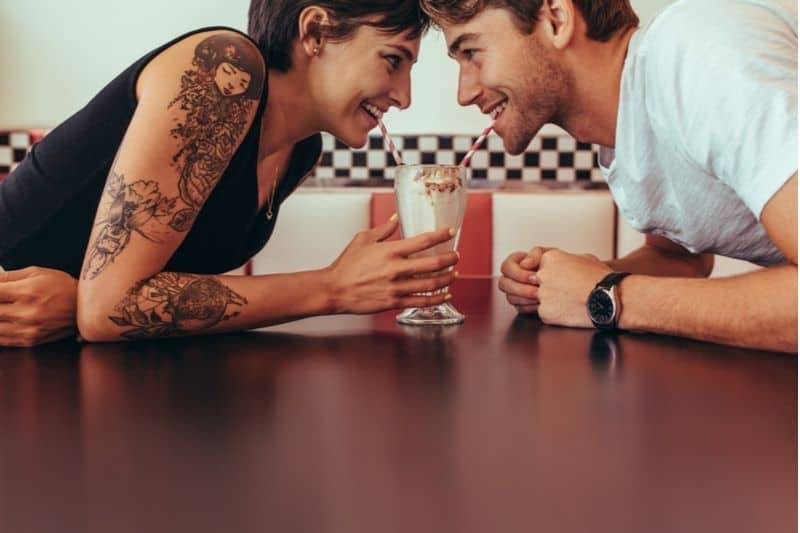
(497, 111)
(372, 110)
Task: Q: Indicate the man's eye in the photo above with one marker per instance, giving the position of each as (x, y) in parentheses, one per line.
(468, 53)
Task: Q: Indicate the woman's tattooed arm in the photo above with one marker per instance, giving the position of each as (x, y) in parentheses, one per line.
(169, 305)
(216, 101)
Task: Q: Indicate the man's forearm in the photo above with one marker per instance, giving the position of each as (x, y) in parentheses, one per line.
(653, 261)
(171, 305)
(755, 310)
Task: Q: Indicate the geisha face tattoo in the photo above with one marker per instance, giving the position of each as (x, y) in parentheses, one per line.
(230, 80)
(216, 98)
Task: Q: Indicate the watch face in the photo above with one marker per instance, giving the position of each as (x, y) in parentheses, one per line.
(601, 307)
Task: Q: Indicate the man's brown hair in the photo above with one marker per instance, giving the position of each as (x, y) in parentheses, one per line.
(603, 17)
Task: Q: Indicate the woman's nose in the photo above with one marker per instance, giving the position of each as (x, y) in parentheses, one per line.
(401, 94)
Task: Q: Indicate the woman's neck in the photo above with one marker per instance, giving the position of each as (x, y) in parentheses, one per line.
(289, 116)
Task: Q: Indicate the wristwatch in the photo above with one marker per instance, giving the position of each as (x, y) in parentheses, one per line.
(603, 306)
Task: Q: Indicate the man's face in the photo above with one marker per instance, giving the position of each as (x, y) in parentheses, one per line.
(511, 76)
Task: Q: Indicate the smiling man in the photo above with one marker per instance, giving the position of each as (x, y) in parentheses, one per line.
(696, 118)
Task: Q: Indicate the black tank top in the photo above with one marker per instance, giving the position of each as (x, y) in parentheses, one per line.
(48, 204)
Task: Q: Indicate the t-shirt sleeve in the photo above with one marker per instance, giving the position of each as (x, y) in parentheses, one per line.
(726, 86)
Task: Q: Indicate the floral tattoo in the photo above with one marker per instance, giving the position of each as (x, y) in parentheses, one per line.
(170, 304)
(133, 207)
(216, 97)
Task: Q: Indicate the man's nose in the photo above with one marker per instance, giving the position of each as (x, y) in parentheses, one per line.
(468, 88)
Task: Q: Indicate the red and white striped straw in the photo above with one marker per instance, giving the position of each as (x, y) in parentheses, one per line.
(395, 153)
(485, 133)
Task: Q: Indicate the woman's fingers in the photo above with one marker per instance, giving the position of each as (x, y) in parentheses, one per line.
(14, 333)
(423, 301)
(11, 290)
(426, 284)
(425, 265)
(385, 230)
(527, 309)
(423, 241)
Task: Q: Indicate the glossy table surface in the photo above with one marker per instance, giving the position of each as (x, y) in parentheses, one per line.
(354, 424)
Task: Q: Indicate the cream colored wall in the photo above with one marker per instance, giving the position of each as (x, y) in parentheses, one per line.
(57, 54)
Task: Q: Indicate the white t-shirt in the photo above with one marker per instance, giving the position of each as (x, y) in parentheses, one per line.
(707, 124)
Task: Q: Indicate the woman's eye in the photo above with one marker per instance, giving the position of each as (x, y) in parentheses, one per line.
(468, 53)
(393, 60)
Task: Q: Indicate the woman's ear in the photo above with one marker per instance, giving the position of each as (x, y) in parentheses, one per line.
(559, 21)
(311, 24)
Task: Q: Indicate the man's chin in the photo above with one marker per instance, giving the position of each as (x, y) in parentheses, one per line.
(515, 146)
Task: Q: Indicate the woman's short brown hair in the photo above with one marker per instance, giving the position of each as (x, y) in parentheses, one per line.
(273, 24)
(603, 17)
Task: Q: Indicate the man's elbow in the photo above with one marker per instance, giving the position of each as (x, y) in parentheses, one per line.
(786, 341)
(704, 265)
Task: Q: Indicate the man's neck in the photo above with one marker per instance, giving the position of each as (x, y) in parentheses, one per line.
(597, 68)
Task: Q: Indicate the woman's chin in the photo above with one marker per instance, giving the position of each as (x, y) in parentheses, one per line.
(352, 138)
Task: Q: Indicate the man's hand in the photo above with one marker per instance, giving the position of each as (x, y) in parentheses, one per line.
(553, 283)
(37, 305)
(518, 278)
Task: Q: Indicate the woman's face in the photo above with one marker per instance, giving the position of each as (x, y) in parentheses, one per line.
(354, 82)
(230, 80)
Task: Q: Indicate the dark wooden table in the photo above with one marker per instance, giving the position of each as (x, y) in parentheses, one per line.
(352, 424)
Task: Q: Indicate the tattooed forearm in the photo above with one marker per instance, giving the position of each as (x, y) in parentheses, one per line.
(217, 97)
(132, 207)
(170, 304)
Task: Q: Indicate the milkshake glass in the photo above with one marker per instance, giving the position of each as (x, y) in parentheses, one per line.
(431, 197)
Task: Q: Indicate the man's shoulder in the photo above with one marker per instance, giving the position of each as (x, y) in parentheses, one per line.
(698, 23)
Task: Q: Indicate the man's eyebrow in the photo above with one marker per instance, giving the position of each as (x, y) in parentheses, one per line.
(405, 51)
(456, 45)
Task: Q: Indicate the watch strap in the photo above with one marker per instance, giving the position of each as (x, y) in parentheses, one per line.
(612, 279)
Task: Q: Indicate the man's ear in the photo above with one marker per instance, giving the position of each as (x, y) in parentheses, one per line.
(558, 18)
(311, 22)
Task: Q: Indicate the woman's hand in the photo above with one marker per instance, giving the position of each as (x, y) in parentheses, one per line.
(372, 275)
(37, 305)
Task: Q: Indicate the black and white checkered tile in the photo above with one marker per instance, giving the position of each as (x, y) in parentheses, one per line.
(557, 158)
(14, 144)
(547, 158)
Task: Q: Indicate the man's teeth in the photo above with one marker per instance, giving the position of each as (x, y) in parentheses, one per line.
(372, 110)
(497, 110)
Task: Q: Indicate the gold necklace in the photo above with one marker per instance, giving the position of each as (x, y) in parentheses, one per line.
(272, 195)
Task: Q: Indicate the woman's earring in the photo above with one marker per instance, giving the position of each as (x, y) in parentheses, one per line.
(315, 51)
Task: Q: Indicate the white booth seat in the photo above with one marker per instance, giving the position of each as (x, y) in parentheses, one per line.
(313, 228)
(628, 239)
(575, 221)
(315, 225)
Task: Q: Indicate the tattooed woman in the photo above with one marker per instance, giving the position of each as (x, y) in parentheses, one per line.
(121, 221)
